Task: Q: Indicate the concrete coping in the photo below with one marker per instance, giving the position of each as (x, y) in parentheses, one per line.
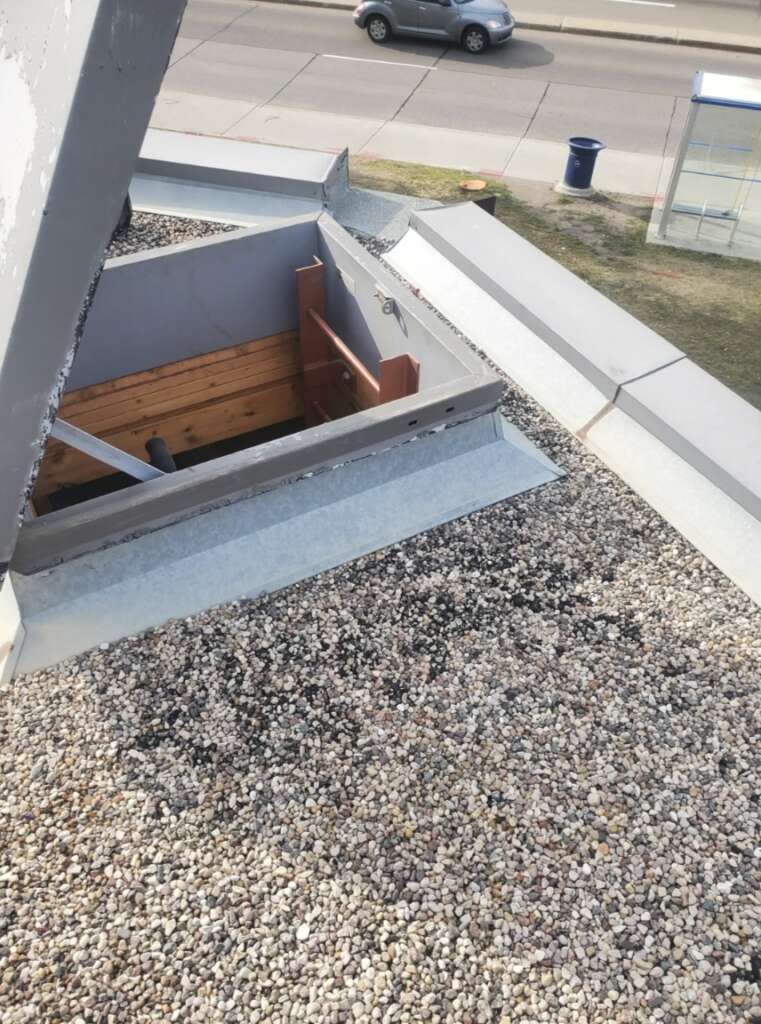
(604, 342)
(698, 418)
(704, 422)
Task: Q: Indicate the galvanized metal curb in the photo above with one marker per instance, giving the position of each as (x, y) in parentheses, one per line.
(672, 38)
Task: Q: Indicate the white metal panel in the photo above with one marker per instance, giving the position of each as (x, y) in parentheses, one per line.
(733, 90)
(726, 534)
(11, 630)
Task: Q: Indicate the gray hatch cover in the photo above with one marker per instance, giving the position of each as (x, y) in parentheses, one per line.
(78, 79)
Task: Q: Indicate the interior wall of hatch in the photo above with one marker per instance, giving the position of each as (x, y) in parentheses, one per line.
(177, 303)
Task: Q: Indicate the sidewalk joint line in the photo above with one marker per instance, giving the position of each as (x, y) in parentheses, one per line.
(370, 60)
(256, 106)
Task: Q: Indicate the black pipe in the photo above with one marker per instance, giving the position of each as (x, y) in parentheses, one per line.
(159, 455)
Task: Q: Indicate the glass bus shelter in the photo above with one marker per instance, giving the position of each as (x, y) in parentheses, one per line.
(713, 200)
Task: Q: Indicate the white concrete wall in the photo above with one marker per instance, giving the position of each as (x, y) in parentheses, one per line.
(11, 630)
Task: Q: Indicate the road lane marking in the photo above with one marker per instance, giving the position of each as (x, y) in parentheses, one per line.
(391, 63)
(642, 3)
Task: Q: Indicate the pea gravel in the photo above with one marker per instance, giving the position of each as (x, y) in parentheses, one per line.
(509, 770)
(149, 230)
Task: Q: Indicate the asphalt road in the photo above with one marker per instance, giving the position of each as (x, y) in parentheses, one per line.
(708, 16)
(741, 17)
(540, 85)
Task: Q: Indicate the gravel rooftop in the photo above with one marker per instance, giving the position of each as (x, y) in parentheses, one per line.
(509, 770)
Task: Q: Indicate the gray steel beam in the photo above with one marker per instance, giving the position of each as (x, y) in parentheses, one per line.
(79, 84)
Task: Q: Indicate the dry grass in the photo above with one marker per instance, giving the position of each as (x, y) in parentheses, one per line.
(710, 306)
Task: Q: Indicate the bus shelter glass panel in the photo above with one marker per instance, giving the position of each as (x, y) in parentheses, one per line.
(720, 175)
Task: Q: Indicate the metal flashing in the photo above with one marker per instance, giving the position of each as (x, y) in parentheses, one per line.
(233, 164)
(684, 442)
(114, 518)
(264, 543)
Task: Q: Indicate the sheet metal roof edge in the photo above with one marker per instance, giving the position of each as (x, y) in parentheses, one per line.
(711, 520)
(210, 160)
(706, 423)
(123, 515)
(722, 410)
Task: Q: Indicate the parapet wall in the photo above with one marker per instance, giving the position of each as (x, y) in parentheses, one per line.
(637, 371)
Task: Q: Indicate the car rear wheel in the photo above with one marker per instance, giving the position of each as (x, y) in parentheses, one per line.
(378, 28)
(475, 39)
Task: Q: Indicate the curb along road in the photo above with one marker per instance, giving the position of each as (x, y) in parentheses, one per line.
(596, 27)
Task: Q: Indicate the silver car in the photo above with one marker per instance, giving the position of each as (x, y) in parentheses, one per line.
(476, 24)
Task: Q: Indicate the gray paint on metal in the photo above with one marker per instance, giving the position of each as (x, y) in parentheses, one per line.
(597, 337)
(229, 163)
(267, 543)
(705, 423)
(184, 300)
(78, 84)
(117, 517)
(351, 277)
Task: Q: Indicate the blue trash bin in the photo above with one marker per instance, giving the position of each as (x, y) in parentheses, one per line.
(577, 179)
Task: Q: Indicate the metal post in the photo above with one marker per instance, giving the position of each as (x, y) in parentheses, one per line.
(668, 200)
(734, 228)
(700, 222)
(103, 451)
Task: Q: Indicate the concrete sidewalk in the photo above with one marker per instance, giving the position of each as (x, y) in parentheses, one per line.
(497, 156)
(734, 30)
(508, 115)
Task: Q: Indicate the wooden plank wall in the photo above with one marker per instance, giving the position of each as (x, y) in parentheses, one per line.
(189, 403)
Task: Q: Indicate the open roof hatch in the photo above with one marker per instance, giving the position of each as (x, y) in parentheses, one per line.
(159, 495)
